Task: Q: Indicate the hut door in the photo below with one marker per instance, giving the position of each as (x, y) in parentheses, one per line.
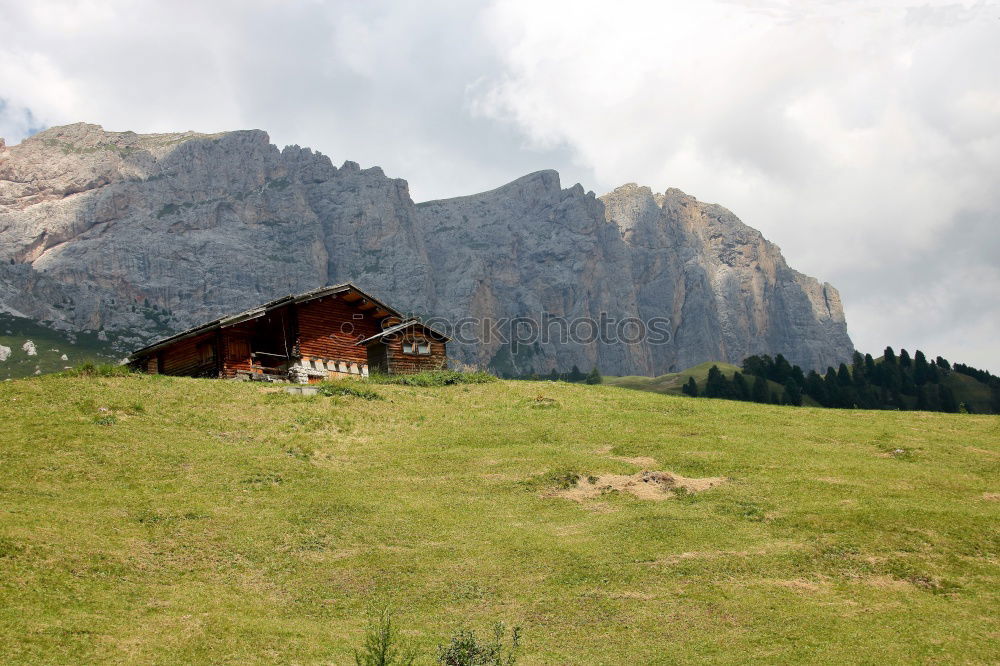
(378, 361)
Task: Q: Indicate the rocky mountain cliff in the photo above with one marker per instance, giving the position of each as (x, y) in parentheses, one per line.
(140, 235)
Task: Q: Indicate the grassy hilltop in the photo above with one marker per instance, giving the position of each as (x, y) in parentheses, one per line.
(168, 520)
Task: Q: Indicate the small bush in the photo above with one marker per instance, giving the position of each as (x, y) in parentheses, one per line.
(106, 420)
(433, 378)
(89, 369)
(465, 649)
(383, 645)
(350, 387)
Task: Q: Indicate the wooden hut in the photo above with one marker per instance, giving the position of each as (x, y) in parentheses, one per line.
(407, 347)
(326, 333)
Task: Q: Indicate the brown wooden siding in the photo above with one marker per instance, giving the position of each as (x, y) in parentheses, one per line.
(400, 363)
(329, 331)
(235, 351)
(188, 358)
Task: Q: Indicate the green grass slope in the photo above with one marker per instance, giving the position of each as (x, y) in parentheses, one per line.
(49, 345)
(970, 391)
(671, 383)
(168, 520)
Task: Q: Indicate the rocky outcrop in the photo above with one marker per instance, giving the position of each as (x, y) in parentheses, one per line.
(140, 235)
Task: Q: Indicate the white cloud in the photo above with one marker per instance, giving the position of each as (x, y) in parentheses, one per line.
(854, 134)
(863, 137)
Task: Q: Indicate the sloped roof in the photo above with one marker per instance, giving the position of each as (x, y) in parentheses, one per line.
(402, 326)
(260, 310)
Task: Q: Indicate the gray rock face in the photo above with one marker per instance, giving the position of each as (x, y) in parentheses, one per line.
(141, 235)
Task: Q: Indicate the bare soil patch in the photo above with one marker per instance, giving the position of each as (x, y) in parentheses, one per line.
(641, 461)
(648, 485)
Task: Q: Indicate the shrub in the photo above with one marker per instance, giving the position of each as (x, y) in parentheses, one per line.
(433, 378)
(465, 649)
(351, 387)
(90, 369)
(383, 645)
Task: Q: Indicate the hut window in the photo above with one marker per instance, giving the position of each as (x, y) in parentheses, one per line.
(416, 347)
(206, 353)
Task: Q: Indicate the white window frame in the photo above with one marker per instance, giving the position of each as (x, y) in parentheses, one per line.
(417, 347)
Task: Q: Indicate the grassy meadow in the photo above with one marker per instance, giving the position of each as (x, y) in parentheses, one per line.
(48, 348)
(170, 520)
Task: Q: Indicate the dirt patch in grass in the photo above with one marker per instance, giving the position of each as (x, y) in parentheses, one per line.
(646, 485)
(641, 461)
(992, 496)
(798, 585)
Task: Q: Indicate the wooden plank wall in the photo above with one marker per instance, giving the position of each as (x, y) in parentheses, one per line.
(184, 358)
(235, 350)
(402, 364)
(321, 335)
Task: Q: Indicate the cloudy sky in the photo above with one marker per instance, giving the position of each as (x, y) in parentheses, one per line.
(861, 137)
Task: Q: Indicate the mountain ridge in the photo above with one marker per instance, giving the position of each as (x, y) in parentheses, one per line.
(101, 229)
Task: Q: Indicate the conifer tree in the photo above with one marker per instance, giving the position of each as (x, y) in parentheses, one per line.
(890, 376)
(858, 369)
(740, 389)
(889, 356)
(782, 369)
(594, 377)
(754, 365)
(716, 385)
(691, 387)
(869, 367)
(815, 388)
(920, 368)
(933, 376)
(834, 394)
(942, 363)
(904, 358)
(575, 375)
(767, 365)
(792, 394)
(759, 392)
(906, 384)
(843, 375)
